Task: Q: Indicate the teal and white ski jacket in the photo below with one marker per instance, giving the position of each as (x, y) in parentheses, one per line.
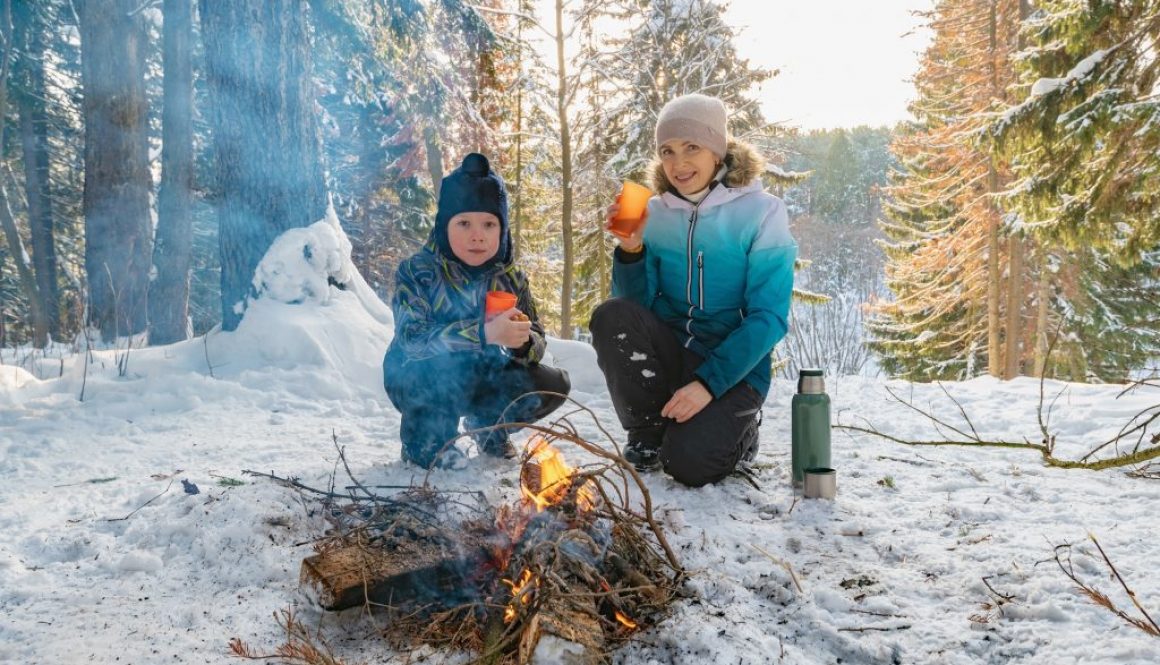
(719, 273)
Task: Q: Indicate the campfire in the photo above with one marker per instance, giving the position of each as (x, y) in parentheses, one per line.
(570, 559)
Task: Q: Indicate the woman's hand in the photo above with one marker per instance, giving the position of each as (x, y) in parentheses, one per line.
(687, 402)
(633, 241)
(511, 329)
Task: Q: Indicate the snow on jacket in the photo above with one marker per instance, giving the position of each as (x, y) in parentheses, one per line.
(439, 307)
(719, 273)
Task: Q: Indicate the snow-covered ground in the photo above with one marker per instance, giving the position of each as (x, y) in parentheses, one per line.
(107, 557)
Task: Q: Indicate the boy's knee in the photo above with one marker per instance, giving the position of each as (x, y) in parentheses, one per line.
(552, 380)
(559, 381)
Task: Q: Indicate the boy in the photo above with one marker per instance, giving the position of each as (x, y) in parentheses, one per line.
(447, 360)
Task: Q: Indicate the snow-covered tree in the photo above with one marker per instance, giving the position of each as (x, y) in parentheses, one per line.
(1083, 139)
(671, 48)
(1084, 142)
(945, 260)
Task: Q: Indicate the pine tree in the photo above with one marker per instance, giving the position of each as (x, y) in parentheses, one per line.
(672, 48)
(945, 260)
(836, 195)
(1083, 142)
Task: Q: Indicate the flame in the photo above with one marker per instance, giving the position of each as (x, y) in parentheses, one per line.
(546, 478)
(520, 596)
(624, 620)
(551, 483)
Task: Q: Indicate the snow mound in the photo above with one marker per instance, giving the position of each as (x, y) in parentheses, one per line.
(302, 262)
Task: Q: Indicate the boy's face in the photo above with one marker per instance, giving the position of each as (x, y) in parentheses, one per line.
(474, 237)
(688, 166)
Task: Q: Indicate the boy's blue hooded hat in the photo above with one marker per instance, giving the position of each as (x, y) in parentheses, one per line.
(473, 187)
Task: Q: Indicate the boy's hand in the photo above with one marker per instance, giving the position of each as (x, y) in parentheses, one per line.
(687, 402)
(511, 329)
(635, 239)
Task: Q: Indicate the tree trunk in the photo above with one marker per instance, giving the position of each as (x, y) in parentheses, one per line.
(434, 158)
(1044, 295)
(27, 279)
(566, 176)
(169, 295)
(517, 212)
(267, 157)
(118, 227)
(1014, 326)
(34, 143)
(604, 265)
(1015, 257)
(994, 351)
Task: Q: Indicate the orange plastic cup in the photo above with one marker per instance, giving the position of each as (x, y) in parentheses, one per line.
(498, 302)
(633, 201)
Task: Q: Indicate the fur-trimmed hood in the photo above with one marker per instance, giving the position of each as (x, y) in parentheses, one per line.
(743, 165)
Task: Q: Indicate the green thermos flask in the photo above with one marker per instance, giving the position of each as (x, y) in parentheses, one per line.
(809, 424)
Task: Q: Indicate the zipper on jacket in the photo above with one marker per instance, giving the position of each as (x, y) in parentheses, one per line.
(689, 256)
(701, 280)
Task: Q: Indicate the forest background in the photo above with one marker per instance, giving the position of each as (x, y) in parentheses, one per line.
(152, 151)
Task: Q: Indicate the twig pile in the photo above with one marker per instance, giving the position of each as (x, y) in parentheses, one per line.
(572, 559)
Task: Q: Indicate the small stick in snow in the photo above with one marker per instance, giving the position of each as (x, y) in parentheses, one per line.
(122, 519)
(784, 564)
(866, 629)
(1127, 589)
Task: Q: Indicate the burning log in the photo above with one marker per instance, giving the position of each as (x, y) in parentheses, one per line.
(572, 627)
(408, 574)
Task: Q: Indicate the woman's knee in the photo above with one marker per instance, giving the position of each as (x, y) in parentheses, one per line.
(688, 461)
(609, 313)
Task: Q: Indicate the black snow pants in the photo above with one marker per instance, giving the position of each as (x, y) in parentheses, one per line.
(644, 364)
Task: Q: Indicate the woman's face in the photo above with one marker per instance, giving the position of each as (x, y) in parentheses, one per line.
(474, 237)
(688, 166)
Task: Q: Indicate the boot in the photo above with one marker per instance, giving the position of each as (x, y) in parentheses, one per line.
(493, 442)
(496, 443)
(644, 448)
(431, 457)
(750, 441)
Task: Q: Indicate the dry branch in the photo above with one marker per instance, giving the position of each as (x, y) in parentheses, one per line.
(301, 646)
(1138, 425)
(1146, 623)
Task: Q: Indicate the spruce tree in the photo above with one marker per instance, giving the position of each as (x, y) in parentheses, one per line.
(945, 259)
(837, 195)
(1083, 141)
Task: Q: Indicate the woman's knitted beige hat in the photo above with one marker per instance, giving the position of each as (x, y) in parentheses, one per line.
(696, 118)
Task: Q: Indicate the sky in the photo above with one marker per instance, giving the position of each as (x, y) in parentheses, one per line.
(843, 63)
